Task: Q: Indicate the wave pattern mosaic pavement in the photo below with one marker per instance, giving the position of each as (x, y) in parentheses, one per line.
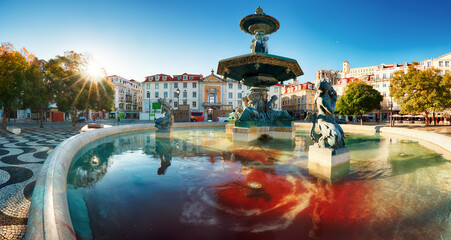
(21, 157)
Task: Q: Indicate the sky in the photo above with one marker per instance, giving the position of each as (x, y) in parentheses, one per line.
(135, 39)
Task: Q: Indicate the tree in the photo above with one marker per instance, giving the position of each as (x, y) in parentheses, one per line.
(13, 65)
(74, 88)
(421, 91)
(358, 99)
(38, 91)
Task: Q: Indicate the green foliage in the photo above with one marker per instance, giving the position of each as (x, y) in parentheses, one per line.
(358, 99)
(37, 90)
(13, 65)
(421, 90)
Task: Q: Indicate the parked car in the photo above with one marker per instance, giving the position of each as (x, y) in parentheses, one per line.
(222, 119)
(340, 121)
(81, 119)
(197, 117)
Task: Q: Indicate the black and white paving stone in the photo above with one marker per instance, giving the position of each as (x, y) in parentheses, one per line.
(21, 157)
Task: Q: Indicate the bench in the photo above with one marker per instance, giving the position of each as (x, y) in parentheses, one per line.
(14, 130)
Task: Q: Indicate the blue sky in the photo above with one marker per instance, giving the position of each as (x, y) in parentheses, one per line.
(135, 39)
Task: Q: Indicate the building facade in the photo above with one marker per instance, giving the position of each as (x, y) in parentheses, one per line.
(298, 99)
(202, 94)
(127, 98)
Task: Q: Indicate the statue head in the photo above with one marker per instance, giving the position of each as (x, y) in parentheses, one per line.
(274, 98)
(322, 85)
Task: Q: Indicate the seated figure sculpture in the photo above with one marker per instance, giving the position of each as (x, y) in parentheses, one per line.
(259, 110)
(275, 115)
(168, 119)
(330, 133)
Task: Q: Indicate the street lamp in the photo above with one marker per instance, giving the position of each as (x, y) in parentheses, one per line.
(391, 108)
(178, 97)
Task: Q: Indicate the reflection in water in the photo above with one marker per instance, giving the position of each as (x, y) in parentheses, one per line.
(217, 189)
(163, 149)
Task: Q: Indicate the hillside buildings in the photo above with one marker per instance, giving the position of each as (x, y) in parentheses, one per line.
(297, 99)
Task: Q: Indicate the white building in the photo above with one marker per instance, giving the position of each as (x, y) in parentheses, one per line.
(127, 97)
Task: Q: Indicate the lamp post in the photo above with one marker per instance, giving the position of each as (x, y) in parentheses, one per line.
(391, 108)
(178, 97)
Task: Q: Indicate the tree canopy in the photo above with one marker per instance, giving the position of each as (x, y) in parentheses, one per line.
(419, 91)
(13, 65)
(358, 99)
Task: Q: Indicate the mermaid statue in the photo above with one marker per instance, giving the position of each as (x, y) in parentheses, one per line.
(330, 133)
(168, 119)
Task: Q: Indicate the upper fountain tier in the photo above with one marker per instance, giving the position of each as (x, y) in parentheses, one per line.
(259, 22)
(259, 69)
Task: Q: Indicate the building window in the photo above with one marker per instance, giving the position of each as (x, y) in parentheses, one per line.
(148, 86)
(176, 104)
(179, 78)
(185, 77)
(230, 86)
(194, 85)
(230, 103)
(429, 64)
(194, 104)
(185, 102)
(239, 95)
(440, 64)
(185, 85)
(377, 76)
(151, 78)
(194, 94)
(230, 95)
(384, 76)
(157, 94)
(384, 85)
(157, 86)
(190, 77)
(157, 78)
(148, 94)
(391, 75)
(447, 64)
(240, 86)
(176, 85)
(165, 85)
(276, 89)
(165, 94)
(185, 94)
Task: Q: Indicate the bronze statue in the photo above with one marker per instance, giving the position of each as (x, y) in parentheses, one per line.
(331, 135)
(168, 119)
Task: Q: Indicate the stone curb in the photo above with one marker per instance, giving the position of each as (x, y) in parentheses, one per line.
(49, 213)
(437, 139)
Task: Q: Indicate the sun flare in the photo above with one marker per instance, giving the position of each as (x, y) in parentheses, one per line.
(95, 71)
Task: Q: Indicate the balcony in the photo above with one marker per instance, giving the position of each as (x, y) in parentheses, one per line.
(212, 104)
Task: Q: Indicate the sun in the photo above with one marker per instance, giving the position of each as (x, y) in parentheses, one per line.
(95, 70)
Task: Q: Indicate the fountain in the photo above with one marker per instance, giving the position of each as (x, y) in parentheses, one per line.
(260, 70)
(125, 182)
(328, 157)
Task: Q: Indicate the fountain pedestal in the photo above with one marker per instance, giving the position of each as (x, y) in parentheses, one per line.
(246, 134)
(328, 163)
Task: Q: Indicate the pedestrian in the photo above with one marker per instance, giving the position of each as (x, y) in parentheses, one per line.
(118, 120)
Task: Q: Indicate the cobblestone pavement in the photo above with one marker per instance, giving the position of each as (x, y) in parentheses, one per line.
(21, 157)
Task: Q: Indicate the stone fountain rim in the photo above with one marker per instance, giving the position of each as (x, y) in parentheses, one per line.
(49, 216)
